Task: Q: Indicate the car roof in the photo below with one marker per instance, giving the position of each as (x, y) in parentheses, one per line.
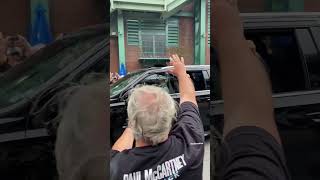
(280, 20)
(166, 68)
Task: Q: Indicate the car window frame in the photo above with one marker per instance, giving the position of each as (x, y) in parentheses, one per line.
(314, 39)
(198, 93)
(173, 95)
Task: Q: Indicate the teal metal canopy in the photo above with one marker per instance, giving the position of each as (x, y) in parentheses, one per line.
(167, 8)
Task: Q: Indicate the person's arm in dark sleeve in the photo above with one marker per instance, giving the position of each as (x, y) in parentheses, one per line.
(246, 87)
(189, 124)
(186, 87)
(251, 153)
(251, 145)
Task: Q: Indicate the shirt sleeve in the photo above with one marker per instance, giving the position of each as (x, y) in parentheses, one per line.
(251, 153)
(113, 153)
(188, 125)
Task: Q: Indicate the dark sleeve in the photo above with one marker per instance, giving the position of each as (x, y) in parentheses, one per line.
(188, 125)
(114, 165)
(113, 153)
(249, 153)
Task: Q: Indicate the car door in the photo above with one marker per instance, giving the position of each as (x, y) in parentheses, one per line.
(201, 80)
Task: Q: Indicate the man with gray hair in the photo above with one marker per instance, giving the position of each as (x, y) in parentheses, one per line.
(169, 141)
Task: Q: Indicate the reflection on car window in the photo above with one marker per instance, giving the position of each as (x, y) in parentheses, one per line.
(119, 86)
(159, 80)
(281, 55)
(197, 78)
(28, 81)
(174, 84)
(207, 79)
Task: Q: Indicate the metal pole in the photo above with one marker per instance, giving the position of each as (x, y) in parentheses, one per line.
(121, 44)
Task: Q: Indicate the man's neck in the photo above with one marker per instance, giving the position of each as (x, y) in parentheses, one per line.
(141, 143)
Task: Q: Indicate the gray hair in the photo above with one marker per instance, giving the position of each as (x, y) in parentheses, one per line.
(151, 118)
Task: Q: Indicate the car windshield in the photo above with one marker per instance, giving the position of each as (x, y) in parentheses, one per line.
(119, 86)
(28, 81)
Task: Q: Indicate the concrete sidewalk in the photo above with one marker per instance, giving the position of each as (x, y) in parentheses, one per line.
(206, 161)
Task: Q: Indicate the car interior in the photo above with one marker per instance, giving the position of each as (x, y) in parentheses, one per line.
(298, 126)
(280, 52)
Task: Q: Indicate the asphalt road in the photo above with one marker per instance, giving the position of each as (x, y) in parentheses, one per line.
(206, 160)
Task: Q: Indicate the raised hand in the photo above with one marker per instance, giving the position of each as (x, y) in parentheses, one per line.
(179, 68)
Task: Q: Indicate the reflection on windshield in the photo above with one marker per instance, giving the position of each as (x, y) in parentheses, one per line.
(27, 82)
(119, 86)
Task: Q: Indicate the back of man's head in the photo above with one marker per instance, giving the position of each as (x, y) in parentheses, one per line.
(151, 111)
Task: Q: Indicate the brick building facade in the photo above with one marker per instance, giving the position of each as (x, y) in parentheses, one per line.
(185, 45)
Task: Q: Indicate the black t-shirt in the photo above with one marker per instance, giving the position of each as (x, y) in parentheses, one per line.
(251, 153)
(179, 157)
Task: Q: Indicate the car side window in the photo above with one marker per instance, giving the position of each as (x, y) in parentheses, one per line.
(310, 46)
(159, 80)
(280, 51)
(207, 79)
(174, 84)
(197, 78)
(96, 72)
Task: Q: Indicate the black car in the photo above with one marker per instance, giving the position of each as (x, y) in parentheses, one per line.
(29, 97)
(289, 44)
(200, 74)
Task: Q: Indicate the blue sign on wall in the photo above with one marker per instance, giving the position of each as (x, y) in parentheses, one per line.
(123, 70)
(40, 31)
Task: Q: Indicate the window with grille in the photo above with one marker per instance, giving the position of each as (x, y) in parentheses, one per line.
(133, 29)
(153, 39)
(153, 36)
(173, 32)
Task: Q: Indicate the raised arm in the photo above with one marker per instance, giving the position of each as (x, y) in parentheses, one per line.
(245, 84)
(186, 87)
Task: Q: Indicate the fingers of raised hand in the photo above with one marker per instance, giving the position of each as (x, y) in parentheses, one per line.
(182, 60)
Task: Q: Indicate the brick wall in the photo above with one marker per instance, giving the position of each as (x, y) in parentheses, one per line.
(247, 6)
(186, 39)
(132, 58)
(14, 17)
(70, 15)
(65, 16)
(312, 5)
(114, 54)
